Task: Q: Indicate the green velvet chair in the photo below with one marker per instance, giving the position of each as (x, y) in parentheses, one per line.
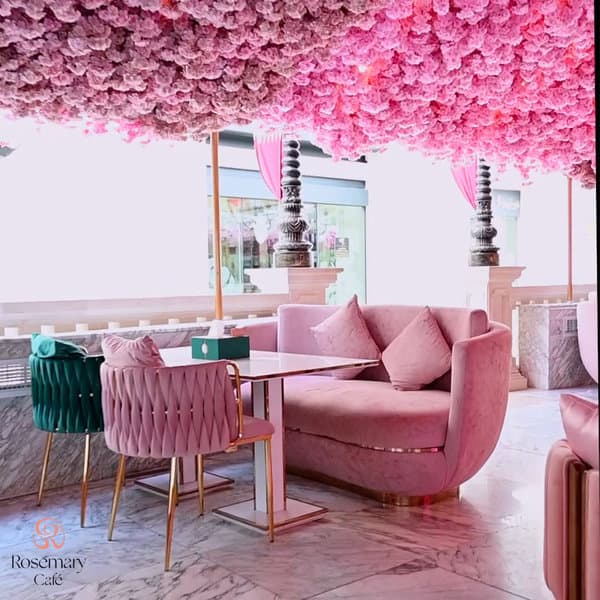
(66, 398)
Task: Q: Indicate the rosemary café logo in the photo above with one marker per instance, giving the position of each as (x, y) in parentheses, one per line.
(48, 535)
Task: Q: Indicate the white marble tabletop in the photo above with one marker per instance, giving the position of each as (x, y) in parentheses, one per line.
(269, 365)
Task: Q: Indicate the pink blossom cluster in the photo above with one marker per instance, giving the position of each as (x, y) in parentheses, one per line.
(511, 80)
(175, 68)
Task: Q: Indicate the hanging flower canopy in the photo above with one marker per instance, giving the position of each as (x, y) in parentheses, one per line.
(512, 80)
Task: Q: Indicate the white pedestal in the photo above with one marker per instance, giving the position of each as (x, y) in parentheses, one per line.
(304, 285)
(490, 288)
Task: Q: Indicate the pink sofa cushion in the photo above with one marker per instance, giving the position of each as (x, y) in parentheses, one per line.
(580, 420)
(366, 413)
(121, 352)
(384, 321)
(418, 355)
(345, 334)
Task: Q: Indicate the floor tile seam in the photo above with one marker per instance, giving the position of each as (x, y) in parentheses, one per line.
(137, 524)
(480, 581)
(211, 563)
(427, 548)
(382, 572)
(385, 542)
(352, 582)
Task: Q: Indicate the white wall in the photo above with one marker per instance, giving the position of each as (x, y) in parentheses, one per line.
(94, 217)
(418, 230)
(90, 216)
(543, 231)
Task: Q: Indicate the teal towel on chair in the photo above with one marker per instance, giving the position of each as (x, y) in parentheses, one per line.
(44, 346)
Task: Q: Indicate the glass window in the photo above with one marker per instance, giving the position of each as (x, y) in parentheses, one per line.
(341, 243)
(249, 231)
(505, 209)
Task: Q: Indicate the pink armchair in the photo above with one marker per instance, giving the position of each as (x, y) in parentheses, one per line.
(174, 412)
(572, 508)
(400, 447)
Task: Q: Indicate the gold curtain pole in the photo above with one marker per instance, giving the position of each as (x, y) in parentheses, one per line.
(214, 143)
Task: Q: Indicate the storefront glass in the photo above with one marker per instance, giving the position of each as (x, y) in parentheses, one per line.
(249, 233)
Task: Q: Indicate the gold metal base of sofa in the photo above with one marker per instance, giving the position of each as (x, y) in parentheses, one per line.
(400, 500)
(383, 497)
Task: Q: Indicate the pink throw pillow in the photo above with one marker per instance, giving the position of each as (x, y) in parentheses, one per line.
(345, 334)
(580, 420)
(121, 352)
(418, 355)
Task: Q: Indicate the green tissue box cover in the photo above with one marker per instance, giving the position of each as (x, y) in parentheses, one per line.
(215, 348)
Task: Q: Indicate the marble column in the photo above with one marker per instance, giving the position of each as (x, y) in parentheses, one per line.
(490, 288)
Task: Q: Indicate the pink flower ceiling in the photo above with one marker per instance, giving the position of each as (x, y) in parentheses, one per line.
(512, 80)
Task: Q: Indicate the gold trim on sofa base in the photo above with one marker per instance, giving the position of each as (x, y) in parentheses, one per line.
(428, 450)
(383, 497)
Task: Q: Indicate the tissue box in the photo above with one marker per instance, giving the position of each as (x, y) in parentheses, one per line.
(226, 346)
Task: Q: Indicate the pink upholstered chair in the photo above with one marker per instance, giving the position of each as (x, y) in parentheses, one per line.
(172, 412)
(572, 515)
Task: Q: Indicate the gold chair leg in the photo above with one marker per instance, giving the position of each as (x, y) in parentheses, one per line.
(171, 511)
(45, 466)
(270, 515)
(85, 479)
(200, 463)
(119, 482)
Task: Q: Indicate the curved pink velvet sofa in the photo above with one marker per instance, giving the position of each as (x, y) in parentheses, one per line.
(397, 446)
(587, 334)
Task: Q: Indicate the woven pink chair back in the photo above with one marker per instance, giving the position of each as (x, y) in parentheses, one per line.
(162, 412)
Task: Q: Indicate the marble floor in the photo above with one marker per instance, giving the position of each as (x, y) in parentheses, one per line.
(485, 546)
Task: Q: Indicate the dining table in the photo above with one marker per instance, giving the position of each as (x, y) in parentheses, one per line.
(266, 372)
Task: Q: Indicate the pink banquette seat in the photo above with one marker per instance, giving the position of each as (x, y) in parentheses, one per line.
(399, 446)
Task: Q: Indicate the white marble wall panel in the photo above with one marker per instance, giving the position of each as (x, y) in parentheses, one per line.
(548, 347)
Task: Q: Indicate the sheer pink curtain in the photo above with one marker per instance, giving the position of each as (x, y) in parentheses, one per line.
(269, 154)
(466, 179)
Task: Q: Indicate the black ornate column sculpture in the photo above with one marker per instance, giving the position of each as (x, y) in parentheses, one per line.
(483, 252)
(292, 249)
